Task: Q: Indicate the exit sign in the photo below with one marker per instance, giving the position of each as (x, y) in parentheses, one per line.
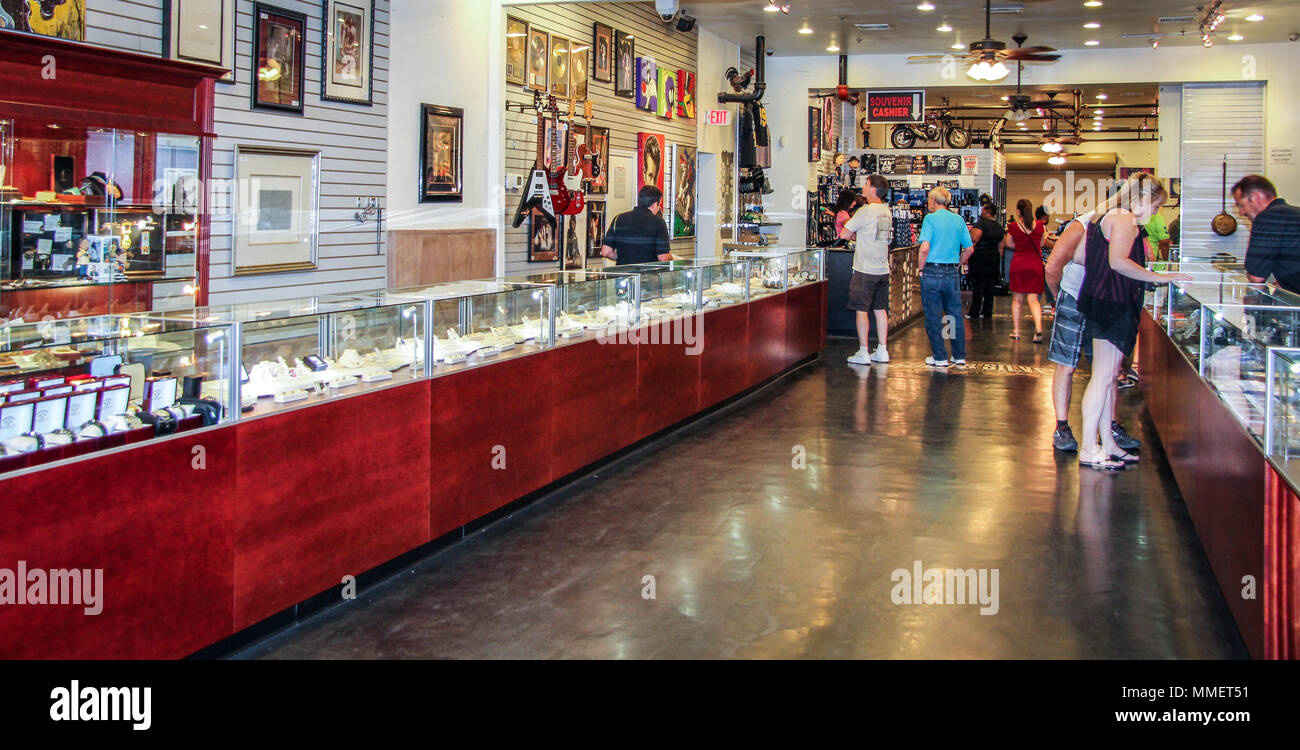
(719, 117)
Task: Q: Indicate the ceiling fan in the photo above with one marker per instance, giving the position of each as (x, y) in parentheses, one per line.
(988, 56)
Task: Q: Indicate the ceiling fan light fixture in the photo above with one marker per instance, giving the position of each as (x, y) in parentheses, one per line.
(1051, 147)
(998, 72)
(1056, 160)
(979, 71)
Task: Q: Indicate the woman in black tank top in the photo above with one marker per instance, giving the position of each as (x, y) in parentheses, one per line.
(1111, 300)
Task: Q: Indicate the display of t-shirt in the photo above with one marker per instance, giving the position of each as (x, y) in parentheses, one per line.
(874, 225)
(947, 234)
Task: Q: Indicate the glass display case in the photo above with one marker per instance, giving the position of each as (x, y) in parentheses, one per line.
(85, 384)
(589, 303)
(1282, 410)
(723, 282)
(778, 269)
(669, 289)
(303, 351)
(1178, 306)
(475, 322)
(96, 220)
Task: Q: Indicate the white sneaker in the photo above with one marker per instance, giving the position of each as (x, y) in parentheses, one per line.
(931, 361)
(880, 355)
(959, 362)
(860, 357)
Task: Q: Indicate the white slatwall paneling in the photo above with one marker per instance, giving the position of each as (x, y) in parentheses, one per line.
(669, 47)
(128, 25)
(1218, 120)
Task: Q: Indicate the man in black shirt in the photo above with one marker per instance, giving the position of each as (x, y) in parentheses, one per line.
(985, 261)
(1274, 247)
(639, 235)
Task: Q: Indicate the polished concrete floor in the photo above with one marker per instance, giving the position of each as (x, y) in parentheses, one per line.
(755, 554)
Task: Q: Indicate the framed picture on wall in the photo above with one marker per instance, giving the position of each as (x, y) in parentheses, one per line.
(574, 253)
(542, 237)
(276, 204)
(441, 159)
(278, 59)
(647, 84)
(667, 105)
(686, 94)
(814, 134)
(559, 66)
(624, 65)
(650, 160)
(516, 51)
(201, 31)
(828, 122)
(538, 58)
(602, 53)
(599, 184)
(579, 56)
(683, 192)
(595, 228)
(65, 20)
(347, 57)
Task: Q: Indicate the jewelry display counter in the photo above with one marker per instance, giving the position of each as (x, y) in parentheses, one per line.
(776, 269)
(261, 515)
(1216, 357)
(589, 303)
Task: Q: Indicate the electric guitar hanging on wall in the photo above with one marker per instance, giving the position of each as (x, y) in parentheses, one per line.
(537, 194)
(587, 157)
(573, 174)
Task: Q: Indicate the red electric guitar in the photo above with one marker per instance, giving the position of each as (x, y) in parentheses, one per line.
(541, 183)
(573, 174)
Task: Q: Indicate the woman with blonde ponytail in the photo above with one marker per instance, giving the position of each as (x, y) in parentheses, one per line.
(1111, 300)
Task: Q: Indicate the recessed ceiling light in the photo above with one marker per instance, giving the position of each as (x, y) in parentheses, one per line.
(1099, 112)
(1092, 25)
(1092, 4)
(1102, 97)
(944, 27)
(805, 29)
(925, 6)
(1092, 43)
(833, 48)
(959, 45)
(771, 9)
(1254, 17)
(1236, 38)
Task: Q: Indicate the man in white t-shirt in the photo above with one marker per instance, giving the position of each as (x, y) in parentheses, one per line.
(873, 228)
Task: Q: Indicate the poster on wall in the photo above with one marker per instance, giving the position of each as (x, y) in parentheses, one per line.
(278, 58)
(686, 94)
(441, 159)
(346, 62)
(647, 84)
(650, 160)
(574, 252)
(538, 58)
(602, 60)
(276, 223)
(624, 65)
(542, 237)
(595, 228)
(970, 164)
(65, 20)
(814, 134)
(559, 66)
(683, 192)
(828, 123)
(579, 54)
(201, 31)
(516, 51)
(667, 105)
(599, 184)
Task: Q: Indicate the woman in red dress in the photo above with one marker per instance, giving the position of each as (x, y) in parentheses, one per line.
(1026, 236)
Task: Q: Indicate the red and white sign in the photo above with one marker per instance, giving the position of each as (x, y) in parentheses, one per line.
(970, 164)
(719, 117)
(896, 106)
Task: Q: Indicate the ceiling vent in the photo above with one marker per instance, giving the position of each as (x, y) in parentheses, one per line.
(873, 26)
(1007, 9)
(1176, 19)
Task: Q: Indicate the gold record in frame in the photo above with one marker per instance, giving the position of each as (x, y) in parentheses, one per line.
(579, 56)
(538, 59)
(559, 66)
(516, 51)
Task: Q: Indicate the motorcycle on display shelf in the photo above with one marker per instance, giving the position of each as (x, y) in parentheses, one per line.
(936, 125)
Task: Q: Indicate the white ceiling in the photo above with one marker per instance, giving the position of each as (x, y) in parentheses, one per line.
(1054, 23)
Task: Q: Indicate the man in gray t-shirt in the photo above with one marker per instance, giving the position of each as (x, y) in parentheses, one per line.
(872, 227)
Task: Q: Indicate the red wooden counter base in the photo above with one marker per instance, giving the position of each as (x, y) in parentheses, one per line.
(280, 508)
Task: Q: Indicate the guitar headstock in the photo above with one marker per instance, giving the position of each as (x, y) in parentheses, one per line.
(552, 106)
(573, 108)
(537, 102)
(586, 110)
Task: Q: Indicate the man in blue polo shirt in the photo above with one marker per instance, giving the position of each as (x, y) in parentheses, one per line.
(1274, 247)
(945, 246)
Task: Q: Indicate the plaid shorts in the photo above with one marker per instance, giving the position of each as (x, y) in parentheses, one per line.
(1070, 335)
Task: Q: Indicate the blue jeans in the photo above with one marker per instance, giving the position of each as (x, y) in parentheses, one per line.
(941, 302)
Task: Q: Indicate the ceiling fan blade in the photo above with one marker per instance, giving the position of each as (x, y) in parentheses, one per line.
(927, 57)
(1034, 50)
(1050, 104)
(1035, 58)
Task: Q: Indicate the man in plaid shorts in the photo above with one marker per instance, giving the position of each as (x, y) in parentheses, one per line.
(1070, 334)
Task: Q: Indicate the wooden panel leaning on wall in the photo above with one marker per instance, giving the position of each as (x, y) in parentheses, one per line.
(425, 256)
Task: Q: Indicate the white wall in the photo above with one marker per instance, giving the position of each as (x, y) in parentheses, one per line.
(426, 69)
(714, 56)
(789, 79)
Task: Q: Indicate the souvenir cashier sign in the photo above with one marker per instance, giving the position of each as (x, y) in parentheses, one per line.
(896, 106)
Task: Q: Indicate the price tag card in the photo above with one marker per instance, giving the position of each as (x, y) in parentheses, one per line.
(112, 402)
